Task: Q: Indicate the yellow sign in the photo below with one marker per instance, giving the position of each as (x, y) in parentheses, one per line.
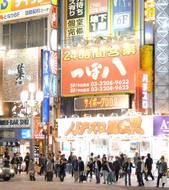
(149, 10)
(54, 2)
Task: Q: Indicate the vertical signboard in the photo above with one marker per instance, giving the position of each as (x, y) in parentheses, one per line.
(161, 93)
(75, 18)
(46, 85)
(122, 15)
(141, 91)
(98, 17)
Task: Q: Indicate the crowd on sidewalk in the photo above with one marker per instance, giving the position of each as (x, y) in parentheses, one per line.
(106, 169)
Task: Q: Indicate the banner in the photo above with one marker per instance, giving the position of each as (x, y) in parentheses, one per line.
(75, 18)
(46, 85)
(98, 17)
(141, 91)
(17, 9)
(20, 67)
(161, 125)
(97, 126)
(123, 15)
(101, 102)
(105, 69)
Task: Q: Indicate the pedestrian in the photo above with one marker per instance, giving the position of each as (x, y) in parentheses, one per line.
(57, 165)
(148, 166)
(105, 169)
(139, 172)
(162, 171)
(75, 166)
(70, 159)
(62, 168)
(89, 168)
(116, 166)
(31, 170)
(97, 168)
(127, 167)
(49, 168)
(81, 169)
(27, 160)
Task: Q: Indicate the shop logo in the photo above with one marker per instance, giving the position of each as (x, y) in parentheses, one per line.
(165, 126)
(145, 91)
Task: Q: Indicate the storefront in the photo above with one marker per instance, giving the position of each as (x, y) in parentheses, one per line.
(15, 134)
(115, 135)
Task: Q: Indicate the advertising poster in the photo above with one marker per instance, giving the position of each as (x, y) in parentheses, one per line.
(98, 16)
(20, 67)
(104, 69)
(46, 85)
(75, 18)
(122, 15)
(161, 125)
(16, 9)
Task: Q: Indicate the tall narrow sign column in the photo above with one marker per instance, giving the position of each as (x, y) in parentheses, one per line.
(161, 89)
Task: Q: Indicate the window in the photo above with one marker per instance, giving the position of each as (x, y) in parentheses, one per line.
(25, 34)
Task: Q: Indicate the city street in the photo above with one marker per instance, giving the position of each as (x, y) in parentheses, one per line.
(22, 183)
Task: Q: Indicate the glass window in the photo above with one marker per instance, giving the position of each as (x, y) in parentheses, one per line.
(18, 35)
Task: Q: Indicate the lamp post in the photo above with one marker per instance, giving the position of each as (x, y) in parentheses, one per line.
(31, 100)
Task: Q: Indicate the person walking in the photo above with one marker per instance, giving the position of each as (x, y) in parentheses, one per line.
(49, 169)
(90, 168)
(81, 169)
(57, 165)
(27, 160)
(148, 166)
(75, 166)
(105, 169)
(139, 172)
(162, 171)
(97, 168)
(31, 170)
(62, 168)
(116, 166)
(127, 168)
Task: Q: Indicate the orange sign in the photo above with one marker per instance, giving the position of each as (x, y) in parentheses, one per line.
(103, 69)
(128, 126)
(38, 129)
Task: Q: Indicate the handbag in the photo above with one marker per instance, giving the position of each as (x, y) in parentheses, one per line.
(164, 179)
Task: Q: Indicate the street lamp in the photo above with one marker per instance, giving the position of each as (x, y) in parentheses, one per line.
(31, 100)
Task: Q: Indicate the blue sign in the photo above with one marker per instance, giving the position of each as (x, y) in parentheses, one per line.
(122, 15)
(25, 134)
(46, 85)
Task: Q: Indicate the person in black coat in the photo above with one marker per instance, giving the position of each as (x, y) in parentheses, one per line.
(139, 172)
(148, 166)
(127, 168)
(97, 168)
(62, 168)
(81, 169)
(116, 166)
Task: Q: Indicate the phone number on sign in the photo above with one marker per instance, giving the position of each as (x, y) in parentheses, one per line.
(110, 83)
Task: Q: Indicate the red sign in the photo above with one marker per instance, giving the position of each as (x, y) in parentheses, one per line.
(99, 69)
(54, 17)
(141, 91)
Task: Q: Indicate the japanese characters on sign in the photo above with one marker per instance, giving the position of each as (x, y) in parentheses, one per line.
(101, 70)
(98, 16)
(98, 126)
(149, 10)
(46, 85)
(75, 18)
(141, 91)
(101, 102)
(16, 9)
(18, 72)
(54, 17)
(122, 14)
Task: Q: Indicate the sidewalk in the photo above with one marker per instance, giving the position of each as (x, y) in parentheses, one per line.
(69, 180)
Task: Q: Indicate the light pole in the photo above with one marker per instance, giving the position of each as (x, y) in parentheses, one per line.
(31, 100)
